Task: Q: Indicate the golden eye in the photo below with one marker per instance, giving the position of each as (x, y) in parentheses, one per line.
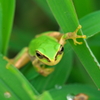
(39, 55)
(61, 50)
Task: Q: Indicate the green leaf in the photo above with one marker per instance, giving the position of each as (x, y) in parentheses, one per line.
(0, 29)
(91, 24)
(14, 83)
(66, 17)
(6, 92)
(87, 6)
(79, 74)
(29, 72)
(64, 92)
(45, 96)
(7, 8)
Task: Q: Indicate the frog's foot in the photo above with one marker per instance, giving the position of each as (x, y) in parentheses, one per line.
(7, 59)
(74, 36)
(10, 61)
(46, 71)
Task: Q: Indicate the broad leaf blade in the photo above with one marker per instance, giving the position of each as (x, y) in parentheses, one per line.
(84, 7)
(7, 12)
(71, 90)
(12, 79)
(1, 39)
(91, 24)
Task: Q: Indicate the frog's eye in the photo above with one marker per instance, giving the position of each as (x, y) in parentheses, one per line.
(61, 50)
(39, 55)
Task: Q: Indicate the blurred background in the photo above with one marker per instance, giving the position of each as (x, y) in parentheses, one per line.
(33, 17)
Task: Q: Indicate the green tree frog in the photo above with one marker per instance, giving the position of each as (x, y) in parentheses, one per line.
(45, 49)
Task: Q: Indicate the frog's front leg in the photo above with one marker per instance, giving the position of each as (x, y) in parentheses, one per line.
(40, 67)
(74, 36)
(70, 35)
(20, 60)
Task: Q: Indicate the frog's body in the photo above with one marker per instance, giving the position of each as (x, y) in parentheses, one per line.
(46, 49)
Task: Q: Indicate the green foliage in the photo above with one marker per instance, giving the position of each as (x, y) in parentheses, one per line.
(70, 90)
(14, 83)
(6, 18)
(91, 24)
(37, 16)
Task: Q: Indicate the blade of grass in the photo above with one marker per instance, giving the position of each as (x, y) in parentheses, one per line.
(29, 71)
(45, 96)
(66, 17)
(16, 82)
(91, 24)
(0, 28)
(79, 74)
(74, 89)
(87, 5)
(6, 92)
(14, 86)
(8, 7)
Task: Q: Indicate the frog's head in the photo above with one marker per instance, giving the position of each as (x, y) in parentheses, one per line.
(51, 54)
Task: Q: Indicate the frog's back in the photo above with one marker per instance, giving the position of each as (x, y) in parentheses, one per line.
(41, 42)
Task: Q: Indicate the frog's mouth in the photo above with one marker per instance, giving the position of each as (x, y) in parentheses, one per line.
(51, 62)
